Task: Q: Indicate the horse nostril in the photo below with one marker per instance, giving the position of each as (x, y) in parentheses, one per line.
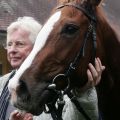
(22, 84)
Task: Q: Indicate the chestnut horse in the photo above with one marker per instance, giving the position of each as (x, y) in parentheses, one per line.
(76, 32)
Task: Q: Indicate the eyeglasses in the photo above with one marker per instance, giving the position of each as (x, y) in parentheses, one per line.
(17, 44)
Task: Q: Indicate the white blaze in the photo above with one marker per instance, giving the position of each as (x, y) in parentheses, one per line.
(39, 44)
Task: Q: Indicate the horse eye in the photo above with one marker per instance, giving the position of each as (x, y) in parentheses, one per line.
(69, 29)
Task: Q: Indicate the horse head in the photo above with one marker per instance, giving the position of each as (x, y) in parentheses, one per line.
(63, 48)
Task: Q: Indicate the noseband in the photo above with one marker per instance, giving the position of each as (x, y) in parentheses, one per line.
(56, 112)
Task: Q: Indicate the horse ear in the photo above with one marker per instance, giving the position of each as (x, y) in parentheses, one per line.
(95, 2)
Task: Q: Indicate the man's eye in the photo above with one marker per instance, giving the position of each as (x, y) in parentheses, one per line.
(20, 44)
(8, 45)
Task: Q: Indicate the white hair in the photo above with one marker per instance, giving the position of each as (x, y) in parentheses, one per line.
(27, 23)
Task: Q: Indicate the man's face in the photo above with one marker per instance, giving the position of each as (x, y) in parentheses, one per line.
(18, 47)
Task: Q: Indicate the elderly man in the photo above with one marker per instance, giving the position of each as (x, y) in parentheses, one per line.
(21, 36)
